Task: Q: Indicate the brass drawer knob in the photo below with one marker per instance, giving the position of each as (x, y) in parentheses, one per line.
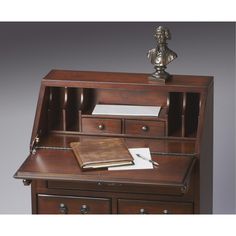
(145, 128)
(63, 208)
(84, 209)
(101, 127)
(142, 211)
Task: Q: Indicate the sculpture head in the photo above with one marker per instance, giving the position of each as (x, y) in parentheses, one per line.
(162, 34)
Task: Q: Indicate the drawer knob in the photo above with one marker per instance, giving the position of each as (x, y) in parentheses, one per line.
(84, 209)
(27, 182)
(142, 211)
(145, 128)
(63, 208)
(101, 127)
(166, 212)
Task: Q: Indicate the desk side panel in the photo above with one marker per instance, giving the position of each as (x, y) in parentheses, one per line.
(206, 157)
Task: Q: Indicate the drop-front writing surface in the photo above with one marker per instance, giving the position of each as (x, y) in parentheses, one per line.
(175, 138)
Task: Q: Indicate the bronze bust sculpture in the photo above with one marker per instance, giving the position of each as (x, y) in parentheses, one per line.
(161, 55)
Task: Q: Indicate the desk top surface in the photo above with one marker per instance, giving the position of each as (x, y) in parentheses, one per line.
(118, 78)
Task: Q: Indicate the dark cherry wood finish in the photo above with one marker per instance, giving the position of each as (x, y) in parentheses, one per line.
(101, 125)
(153, 207)
(53, 204)
(180, 140)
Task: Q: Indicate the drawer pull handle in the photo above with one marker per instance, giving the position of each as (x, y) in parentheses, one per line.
(142, 211)
(63, 208)
(84, 209)
(145, 128)
(166, 212)
(101, 127)
(27, 182)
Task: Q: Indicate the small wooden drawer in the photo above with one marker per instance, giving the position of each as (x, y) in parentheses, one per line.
(99, 125)
(153, 207)
(145, 128)
(54, 204)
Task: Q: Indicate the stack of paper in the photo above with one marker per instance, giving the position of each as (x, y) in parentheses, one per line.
(126, 110)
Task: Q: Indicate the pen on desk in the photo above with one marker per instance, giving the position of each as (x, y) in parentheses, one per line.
(146, 159)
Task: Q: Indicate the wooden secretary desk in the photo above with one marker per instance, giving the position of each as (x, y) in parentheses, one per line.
(180, 140)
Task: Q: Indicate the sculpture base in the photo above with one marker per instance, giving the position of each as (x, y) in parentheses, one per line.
(160, 75)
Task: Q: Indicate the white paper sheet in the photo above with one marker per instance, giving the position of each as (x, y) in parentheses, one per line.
(139, 163)
(126, 110)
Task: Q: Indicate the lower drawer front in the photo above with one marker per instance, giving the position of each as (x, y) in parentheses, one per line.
(153, 207)
(53, 204)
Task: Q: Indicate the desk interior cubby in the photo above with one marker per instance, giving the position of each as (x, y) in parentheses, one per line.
(65, 107)
(183, 114)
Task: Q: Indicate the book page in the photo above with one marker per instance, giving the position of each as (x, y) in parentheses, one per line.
(126, 110)
(139, 163)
